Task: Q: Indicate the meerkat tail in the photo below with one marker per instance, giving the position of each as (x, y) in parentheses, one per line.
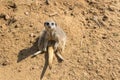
(38, 52)
(60, 56)
(50, 56)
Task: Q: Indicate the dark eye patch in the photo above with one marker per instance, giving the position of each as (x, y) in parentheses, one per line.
(47, 23)
(52, 23)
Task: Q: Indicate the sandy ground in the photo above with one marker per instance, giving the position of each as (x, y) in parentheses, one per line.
(93, 39)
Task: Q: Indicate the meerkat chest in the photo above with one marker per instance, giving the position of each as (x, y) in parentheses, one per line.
(52, 36)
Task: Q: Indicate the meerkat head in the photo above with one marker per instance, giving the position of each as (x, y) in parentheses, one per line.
(50, 25)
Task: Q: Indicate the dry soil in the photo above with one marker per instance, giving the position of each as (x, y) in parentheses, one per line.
(92, 51)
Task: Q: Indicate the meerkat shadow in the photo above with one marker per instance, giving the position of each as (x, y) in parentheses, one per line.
(24, 53)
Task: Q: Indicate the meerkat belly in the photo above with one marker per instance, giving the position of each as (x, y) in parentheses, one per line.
(52, 40)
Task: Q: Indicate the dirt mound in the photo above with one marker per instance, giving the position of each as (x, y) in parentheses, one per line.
(93, 39)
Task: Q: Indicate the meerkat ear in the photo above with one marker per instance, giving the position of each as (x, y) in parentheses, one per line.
(44, 23)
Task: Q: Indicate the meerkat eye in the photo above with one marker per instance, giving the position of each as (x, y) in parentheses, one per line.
(52, 23)
(47, 23)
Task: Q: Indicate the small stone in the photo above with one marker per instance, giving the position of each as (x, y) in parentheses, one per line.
(105, 18)
(31, 25)
(12, 5)
(31, 41)
(109, 59)
(2, 35)
(78, 61)
(32, 68)
(5, 63)
(72, 14)
(19, 70)
(53, 14)
(26, 13)
(4, 16)
(16, 26)
(83, 36)
(104, 37)
(32, 35)
(7, 17)
(4, 27)
(71, 8)
(111, 8)
(37, 31)
(54, 71)
(55, 3)
(65, 12)
(17, 39)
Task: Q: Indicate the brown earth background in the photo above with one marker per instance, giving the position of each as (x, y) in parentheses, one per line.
(93, 39)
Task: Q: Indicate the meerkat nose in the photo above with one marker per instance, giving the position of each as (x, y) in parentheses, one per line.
(49, 26)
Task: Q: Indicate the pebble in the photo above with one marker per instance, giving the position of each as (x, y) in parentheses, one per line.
(111, 8)
(32, 68)
(104, 37)
(53, 14)
(12, 5)
(3, 27)
(78, 61)
(70, 8)
(105, 18)
(31, 25)
(31, 41)
(7, 17)
(19, 70)
(17, 25)
(4, 16)
(26, 13)
(54, 71)
(5, 63)
(32, 35)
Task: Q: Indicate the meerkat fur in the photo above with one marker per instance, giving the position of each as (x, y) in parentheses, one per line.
(52, 32)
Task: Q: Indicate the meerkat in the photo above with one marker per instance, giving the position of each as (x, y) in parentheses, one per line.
(52, 38)
(50, 55)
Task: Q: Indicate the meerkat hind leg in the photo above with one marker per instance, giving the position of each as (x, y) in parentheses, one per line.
(60, 56)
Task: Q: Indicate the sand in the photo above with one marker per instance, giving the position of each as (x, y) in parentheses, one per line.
(92, 50)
